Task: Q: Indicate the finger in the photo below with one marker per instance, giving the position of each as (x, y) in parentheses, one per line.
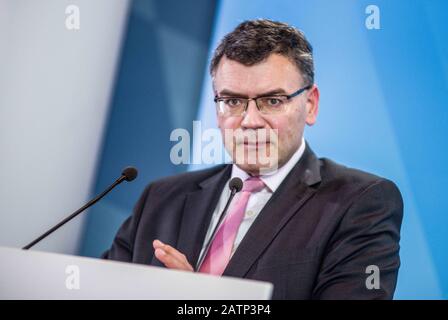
(178, 258)
(175, 253)
(170, 256)
(157, 244)
(171, 261)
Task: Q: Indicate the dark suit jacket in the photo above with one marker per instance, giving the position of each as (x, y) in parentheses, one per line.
(314, 239)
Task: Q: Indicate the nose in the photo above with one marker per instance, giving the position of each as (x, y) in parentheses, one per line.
(252, 119)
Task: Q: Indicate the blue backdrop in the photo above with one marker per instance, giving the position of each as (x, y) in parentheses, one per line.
(383, 109)
(157, 89)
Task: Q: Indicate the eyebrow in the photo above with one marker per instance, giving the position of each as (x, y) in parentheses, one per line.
(229, 93)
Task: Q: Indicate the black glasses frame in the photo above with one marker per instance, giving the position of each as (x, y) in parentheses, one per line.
(287, 96)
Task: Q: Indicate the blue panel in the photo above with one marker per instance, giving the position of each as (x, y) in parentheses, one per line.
(383, 109)
(158, 80)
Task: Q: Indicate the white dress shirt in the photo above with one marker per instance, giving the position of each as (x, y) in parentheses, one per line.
(256, 201)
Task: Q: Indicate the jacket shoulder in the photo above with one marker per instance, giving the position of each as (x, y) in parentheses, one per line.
(184, 181)
(340, 175)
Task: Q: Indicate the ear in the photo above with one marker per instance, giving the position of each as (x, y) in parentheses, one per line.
(312, 105)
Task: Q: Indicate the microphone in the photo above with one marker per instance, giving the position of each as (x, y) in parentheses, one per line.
(128, 174)
(235, 185)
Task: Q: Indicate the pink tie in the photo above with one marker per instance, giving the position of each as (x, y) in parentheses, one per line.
(219, 253)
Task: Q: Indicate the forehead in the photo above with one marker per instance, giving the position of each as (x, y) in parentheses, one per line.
(275, 72)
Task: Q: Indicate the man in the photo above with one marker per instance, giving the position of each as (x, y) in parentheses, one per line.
(313, 228)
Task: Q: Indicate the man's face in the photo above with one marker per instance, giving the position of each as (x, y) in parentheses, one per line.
(284, 130)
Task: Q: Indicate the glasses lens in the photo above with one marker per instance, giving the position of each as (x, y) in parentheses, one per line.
(231, 106)
(274, 104)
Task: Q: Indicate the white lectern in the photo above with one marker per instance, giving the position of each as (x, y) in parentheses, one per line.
(42, 275)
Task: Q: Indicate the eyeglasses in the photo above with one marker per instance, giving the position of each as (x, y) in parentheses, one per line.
(272, 104)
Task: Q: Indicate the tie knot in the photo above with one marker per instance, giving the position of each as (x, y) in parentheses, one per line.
(253, 184)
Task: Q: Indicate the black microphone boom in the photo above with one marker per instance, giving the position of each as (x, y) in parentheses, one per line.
(128, 174)
(235, 185)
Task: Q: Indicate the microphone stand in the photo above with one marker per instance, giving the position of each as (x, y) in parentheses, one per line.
(74, 214)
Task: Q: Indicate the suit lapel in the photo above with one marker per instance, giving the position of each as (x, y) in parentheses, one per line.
(291, 195)
(197, 214)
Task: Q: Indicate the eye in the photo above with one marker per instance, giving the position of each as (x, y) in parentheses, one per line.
(233, 102)
(273, 101)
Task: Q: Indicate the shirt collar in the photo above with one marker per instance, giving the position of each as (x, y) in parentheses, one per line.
(275, 178)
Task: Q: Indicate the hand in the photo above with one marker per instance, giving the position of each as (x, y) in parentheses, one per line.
(170, 257)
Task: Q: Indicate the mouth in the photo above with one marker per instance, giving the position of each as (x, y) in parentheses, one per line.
(258, 144)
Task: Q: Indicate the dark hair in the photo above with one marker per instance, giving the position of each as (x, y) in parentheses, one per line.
(253, 41)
